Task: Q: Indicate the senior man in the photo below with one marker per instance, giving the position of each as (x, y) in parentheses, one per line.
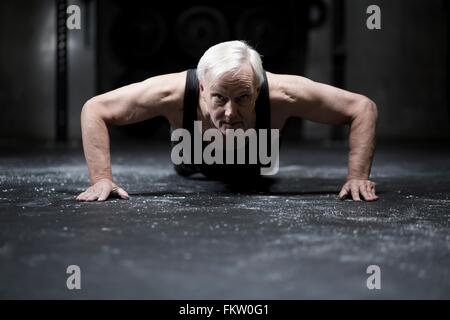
(229, 90)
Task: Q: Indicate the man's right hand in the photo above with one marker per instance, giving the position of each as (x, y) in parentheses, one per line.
(101, 190)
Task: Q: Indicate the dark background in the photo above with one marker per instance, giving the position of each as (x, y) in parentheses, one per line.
(284, 237)
(403, 67)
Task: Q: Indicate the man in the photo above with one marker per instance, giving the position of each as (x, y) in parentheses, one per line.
(229, 90)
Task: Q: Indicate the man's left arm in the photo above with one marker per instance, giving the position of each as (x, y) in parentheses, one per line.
(362, 148)
(296, 96)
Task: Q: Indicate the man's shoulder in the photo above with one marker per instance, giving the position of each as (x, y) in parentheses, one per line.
(172, 84)
(170, 89)
(288, 88)
(287, 92)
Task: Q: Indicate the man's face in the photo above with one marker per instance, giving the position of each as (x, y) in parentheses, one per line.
(230, 100)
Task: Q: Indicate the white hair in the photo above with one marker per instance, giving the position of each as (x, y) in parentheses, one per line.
(227, 57)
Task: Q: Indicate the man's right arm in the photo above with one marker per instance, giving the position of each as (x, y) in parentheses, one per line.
(156, 96)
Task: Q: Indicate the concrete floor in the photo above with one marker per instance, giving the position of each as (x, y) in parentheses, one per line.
(181, 238)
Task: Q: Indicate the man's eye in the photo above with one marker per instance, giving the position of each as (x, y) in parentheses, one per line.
(220, 98)
(243, 98)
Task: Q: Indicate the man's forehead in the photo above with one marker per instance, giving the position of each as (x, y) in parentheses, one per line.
(232, 85)
(233, 82)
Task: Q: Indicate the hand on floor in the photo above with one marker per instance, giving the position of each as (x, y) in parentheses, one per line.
(355, 187)
(101, 190)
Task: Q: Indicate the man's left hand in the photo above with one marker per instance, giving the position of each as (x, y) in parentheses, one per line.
(355, 187)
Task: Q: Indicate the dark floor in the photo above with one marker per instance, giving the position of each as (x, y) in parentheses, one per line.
(196, 239)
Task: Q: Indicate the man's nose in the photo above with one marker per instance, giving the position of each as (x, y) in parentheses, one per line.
(230, 109)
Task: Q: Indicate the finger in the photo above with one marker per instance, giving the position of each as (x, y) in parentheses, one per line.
(81, 196)
(372, 189)
(104, 194)
(369, 192)
(92, 196)
(374, 195)
(355, 193)
(123, 194)
(366, 195)
(343, 193)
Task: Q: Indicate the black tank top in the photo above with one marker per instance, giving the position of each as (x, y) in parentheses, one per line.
(222, 171)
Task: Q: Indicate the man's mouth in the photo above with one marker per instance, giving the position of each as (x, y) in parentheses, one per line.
(231, 125)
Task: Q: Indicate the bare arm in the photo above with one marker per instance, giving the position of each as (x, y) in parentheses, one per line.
(157, 96)
(295, 96)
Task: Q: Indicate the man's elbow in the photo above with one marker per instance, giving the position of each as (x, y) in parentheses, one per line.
(93, 109)
(372, 108)
(366, 108)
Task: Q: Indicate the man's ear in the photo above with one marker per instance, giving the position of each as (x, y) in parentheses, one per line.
(202, 87)
(258, 90)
